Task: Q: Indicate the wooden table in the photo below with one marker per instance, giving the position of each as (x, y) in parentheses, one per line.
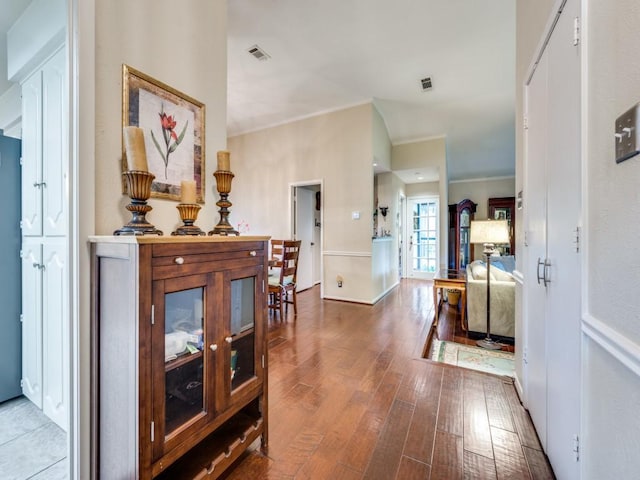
(454, 280)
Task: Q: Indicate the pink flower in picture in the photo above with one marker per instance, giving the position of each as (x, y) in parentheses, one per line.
(168, 124)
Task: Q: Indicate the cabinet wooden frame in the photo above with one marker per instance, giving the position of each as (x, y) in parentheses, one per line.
(132, 335)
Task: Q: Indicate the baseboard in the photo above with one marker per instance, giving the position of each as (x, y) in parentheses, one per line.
(386, 291)
(519, 389)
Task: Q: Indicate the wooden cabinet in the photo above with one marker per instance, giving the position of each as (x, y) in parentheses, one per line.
(460, 250)
(503, 208)
(179, 354)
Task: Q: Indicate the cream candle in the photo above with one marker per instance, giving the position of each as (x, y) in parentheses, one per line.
(134, 149)
(188, 191)
(224, 163)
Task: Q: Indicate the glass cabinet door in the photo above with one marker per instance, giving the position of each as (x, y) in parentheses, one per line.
(245, 314)
(182, 359)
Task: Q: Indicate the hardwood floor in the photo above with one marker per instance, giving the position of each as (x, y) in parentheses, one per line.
(350, 398)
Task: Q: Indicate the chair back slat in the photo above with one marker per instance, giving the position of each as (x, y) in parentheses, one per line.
(290, 253)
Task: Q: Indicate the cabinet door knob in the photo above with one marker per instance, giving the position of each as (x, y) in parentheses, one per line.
(228, 339)
(252, 253)
(213, 347)
(179, 260)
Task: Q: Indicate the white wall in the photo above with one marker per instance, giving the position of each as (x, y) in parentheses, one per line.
(182, 47)
(612, 390)
(427, 153)
(335, 147)
(107, 34)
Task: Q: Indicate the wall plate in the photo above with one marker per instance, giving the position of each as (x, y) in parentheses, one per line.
(626, 134)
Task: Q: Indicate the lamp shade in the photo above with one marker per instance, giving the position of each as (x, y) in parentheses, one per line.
(489, 231)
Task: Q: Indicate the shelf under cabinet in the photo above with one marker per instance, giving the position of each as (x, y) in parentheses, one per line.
(216, 452)
(182, 360)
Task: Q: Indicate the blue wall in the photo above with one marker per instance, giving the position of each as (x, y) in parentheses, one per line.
(10, 269)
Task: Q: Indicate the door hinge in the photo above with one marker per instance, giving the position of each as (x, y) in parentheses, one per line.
(263, 285)
(153, 431)
(576, 241)
(524, 356)
(262, 360)
(576, 448)
(21, 318)
(525, 123)
(576, 31)
(20, 156)
(153, 314)
(21, 252)
(21, 383)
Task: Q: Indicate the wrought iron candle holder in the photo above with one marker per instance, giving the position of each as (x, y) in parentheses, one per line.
(139, 187)
(223, 184)
(188, 215)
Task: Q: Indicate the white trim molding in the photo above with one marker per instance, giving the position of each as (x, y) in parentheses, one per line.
(617, 345)
(338, 253)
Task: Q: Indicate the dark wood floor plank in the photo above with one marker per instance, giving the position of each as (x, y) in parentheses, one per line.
(538, 464)
(477, 436)
(522, 420)
(448, 462)
(509, 456)
(498, 405)
(422, 431)
(358, 450)
(411, 469)
(477, 467)
(450, 412)
(388, 452)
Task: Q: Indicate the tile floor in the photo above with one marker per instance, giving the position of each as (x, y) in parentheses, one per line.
(31, 446)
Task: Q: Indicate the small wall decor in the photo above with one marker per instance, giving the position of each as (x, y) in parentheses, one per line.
(174, 126)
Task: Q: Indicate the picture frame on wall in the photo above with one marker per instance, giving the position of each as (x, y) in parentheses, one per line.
(174, 127)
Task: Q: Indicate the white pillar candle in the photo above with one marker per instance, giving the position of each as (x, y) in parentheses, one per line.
(188, 191)
(134, 149)
(224, 163)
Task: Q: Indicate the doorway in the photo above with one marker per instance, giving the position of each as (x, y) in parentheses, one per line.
(306, 226)
(422, 237)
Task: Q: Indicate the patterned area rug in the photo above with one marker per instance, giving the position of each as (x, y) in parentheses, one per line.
(475, 358)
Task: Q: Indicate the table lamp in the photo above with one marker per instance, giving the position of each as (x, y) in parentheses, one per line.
(489, 233)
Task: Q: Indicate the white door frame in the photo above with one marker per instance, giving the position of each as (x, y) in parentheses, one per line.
(408, 231)
(292, 189)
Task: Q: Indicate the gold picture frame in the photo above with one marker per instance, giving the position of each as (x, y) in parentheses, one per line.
(174, 128)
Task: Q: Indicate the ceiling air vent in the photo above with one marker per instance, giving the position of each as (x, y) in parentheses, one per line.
(258, 53)
(426, 84)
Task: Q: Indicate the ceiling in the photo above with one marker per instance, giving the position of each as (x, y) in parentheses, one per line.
(330, 54)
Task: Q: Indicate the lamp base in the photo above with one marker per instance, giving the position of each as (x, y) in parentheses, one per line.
(489, 344)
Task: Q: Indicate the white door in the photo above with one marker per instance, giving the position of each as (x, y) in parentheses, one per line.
(304, 220)
(53, 151)
(31, 222)
(54, 333)
(422, 237)
(553, 330)
(535, 201)
(564, 272)
(32, 322)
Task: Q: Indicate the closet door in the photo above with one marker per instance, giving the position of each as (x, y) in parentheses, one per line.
(32, 322)
(54, 338)
(31, 221)
(53, 147)
(553, 275)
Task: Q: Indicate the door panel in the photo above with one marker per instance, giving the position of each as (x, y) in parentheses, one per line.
(305, 199)
(31, 156)
(424, 241)
(53, 152)
(536, 241)
(563, 217)
(54, 333)
(31, 323)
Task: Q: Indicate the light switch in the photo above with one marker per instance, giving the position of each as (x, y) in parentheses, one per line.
(626, 134)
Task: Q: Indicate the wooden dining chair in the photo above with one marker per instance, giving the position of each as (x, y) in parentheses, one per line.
(284, 282)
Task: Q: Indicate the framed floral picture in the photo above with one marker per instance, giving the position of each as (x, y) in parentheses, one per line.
(173, 126)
